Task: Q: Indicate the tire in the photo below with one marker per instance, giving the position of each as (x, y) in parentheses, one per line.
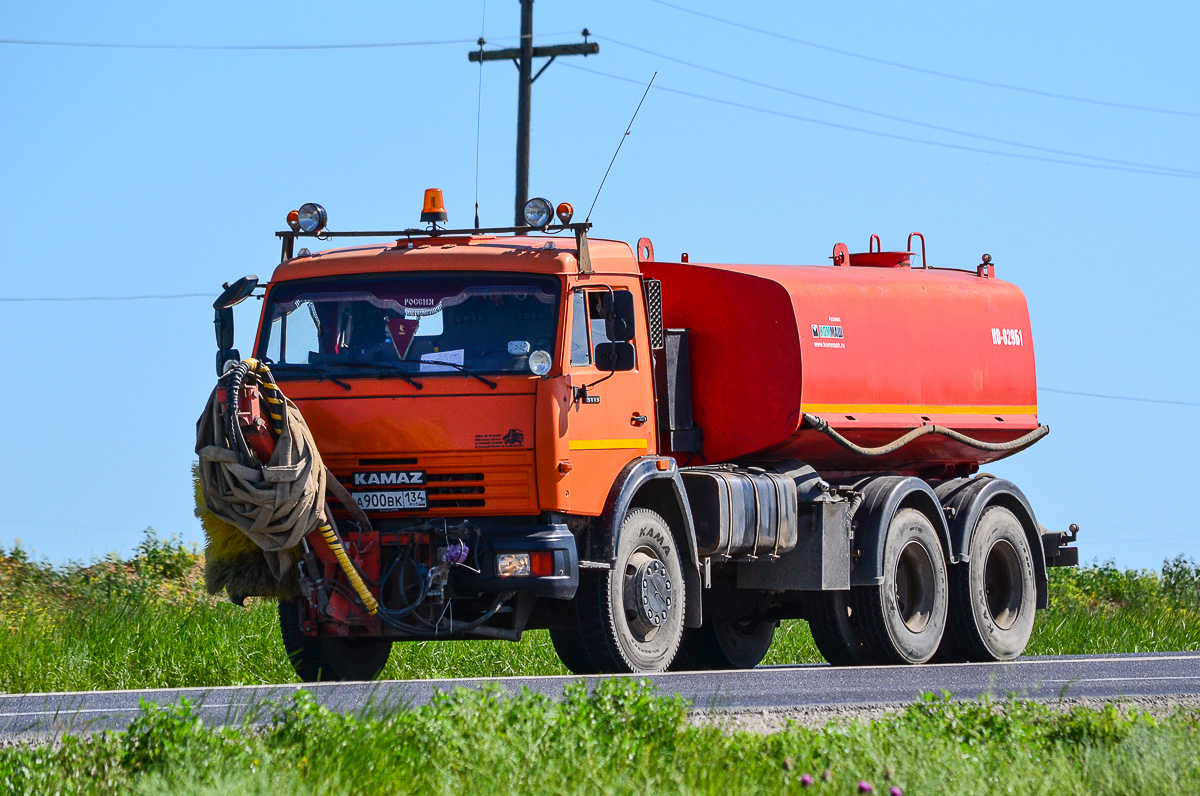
(724, 645)
(569, 643)
(835, 630)
(993, 595)
(329, 659)
(631, 616)
(903, 620)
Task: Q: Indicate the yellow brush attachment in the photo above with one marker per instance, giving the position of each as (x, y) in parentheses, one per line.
(232, 561)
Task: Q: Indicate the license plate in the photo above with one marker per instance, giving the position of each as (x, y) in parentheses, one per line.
(405, 500)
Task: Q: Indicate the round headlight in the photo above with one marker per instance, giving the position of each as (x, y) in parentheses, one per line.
(538, 212)
(539, 363)
(312, 217)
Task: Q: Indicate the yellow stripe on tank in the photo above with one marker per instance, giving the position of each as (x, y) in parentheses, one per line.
(607, 444)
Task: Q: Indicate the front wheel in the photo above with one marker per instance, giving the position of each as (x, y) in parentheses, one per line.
(631, 616)
(327, 659)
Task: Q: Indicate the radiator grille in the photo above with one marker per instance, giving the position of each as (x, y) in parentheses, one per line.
(494, 483)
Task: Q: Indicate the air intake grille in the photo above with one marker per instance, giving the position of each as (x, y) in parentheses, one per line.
(654, 308)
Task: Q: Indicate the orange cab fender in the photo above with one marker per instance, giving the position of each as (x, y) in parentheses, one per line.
(965, 500)
(882, 498)
(641, 484)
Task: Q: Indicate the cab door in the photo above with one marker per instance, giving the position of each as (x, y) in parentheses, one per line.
(611, 415)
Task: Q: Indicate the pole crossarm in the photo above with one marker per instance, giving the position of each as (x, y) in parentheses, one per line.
(551, 51)
(523, 57)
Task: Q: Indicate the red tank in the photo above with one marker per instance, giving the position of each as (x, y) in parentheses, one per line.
(873, 347)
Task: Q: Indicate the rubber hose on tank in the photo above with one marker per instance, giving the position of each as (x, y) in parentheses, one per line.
(1017, 444)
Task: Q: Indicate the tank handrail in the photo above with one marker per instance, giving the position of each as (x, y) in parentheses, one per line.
(924, 262)
(875, 245)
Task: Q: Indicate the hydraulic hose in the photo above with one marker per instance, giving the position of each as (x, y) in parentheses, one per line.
(356, 582)
(997, 447)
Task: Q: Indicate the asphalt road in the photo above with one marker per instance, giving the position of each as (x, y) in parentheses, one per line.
(767, 687)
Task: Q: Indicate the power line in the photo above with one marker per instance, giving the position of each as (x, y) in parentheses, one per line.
(901, 119)
(108, 46)
(31, 299)
(893, 136)
(933, 72)
(359, 46)
(1120, 397)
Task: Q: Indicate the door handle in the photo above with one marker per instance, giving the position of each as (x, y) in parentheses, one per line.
(638, 420)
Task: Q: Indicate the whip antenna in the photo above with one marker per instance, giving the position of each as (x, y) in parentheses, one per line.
(614, 157)
(479, 108)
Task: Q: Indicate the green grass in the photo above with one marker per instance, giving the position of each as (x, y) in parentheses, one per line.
(621, 739)
(146, 622)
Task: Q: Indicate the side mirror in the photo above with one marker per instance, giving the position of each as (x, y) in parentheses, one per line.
(615, 356)
(230, 297)
(223, 324)
(619, 320)
(225, 355)
(236, 293)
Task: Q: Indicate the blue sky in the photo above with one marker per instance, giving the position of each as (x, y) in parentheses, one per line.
(167, 171)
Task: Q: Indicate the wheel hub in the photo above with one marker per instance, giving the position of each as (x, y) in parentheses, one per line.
(653, 586)
(649, 595)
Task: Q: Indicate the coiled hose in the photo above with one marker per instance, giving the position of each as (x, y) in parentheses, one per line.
(1015, 445)
(279, 502)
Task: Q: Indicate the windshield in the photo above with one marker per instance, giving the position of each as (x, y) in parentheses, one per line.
(414, 323)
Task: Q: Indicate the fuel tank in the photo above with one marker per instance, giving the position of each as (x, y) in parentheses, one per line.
(875, 350)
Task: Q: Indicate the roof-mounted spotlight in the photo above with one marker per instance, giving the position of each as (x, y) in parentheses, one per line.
(434, 209)
(311, 217)
(538, 212)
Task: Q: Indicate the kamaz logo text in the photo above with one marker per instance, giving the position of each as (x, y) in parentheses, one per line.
(392, 478)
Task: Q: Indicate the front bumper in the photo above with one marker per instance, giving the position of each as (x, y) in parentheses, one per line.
(555, 539)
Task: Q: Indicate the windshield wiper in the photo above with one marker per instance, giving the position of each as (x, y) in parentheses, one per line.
(320, 373)
(384, 369)
(462, 368)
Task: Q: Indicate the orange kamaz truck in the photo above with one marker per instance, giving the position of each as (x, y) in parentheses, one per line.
(657, 461)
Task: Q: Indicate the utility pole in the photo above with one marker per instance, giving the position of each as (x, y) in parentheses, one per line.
(523, 57)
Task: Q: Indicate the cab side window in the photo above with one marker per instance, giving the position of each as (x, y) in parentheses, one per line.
(598, 301)
(589, 310)
(581, 352)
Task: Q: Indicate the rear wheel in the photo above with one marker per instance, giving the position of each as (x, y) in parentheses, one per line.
(903, 619)
(725, 645)
(993, 595)
(835, 629)
(329, 659)
(631, 616)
